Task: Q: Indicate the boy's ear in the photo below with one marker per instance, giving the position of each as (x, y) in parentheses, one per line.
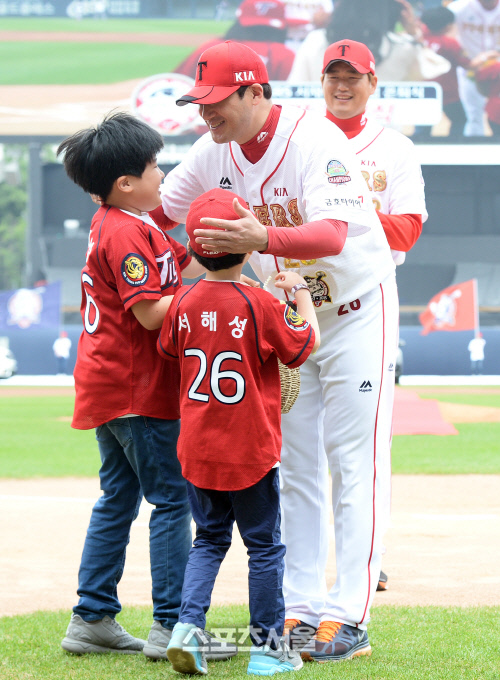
(123, 183)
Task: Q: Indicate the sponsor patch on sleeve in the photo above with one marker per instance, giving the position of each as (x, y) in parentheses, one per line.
(135, 270)
(293, 320)
(337, 173)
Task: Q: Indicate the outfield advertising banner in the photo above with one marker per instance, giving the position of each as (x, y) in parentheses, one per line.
(31, 308)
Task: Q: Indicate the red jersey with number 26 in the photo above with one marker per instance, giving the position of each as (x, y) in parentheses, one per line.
(227, 337)
(117, 370)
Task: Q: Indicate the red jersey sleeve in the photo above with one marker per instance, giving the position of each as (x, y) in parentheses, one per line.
(321, 238)
(166, 343)
(162, 220)
(401, 231)
(285, 332)
(133, 264)
(181, 253)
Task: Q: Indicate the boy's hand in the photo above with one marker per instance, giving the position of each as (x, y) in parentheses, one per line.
(249, 281)
(286, 280)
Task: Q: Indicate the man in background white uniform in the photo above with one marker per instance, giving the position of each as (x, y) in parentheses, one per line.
(478, 24)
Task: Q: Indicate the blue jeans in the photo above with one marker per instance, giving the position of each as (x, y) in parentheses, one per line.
(139, 457)
(256, 511)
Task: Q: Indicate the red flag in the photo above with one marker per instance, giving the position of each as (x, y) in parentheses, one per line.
(452, 309)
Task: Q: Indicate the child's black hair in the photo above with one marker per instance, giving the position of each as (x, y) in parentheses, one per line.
(437, 19)
(215, 264)
(121, 145)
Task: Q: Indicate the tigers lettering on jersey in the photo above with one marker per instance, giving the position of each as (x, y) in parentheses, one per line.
(135, 270)
(279, 213)
(167, 269)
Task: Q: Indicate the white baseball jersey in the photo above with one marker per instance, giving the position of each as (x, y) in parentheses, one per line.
(300, 15)
(476, 349)
(343, 413)
(308, 173)
(478, 28)
(392, 173)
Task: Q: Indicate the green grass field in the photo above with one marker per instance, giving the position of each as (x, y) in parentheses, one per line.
(421, 643)
(32, 62)
(38, 441)
(60, 63)
(61, 25)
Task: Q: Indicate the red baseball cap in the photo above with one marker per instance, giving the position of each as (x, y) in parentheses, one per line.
(261, 13)
(354, 53)
(216, 203)
(223, 69)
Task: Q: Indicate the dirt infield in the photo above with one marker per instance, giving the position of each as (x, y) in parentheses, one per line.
(439, 551)
(65, 109)
(184, 39)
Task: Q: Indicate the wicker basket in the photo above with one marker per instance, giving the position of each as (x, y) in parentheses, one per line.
(290, 386)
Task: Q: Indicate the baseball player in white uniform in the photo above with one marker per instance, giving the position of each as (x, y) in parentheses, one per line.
(388, 160)
(303, 16)
(478, 25)
(315, 216)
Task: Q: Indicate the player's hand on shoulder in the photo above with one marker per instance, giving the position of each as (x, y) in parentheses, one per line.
(287, 280)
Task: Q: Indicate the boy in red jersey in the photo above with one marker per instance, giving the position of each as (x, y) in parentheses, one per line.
(227, 337)
(132, 269)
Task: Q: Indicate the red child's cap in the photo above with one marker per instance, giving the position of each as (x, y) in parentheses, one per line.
(223, 69)
(216, 203)
(354, 53)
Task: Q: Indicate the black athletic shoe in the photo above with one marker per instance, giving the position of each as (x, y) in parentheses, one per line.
(382, 581)
(297, 633)
(336, 641)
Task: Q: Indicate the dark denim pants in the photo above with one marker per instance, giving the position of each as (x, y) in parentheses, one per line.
(139, 458)
(256, 511)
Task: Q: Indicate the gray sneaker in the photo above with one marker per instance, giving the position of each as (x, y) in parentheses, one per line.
(218, 649)
(215, 649)
(267, 661)
(158, 639)
(99, 637)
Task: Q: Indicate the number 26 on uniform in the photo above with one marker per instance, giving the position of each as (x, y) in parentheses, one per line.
(354, 306)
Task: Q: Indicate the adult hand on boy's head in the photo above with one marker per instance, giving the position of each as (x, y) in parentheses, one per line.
(240, 236)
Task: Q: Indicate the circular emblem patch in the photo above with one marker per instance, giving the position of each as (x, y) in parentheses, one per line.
(294, 320)
(135, 270)
(337, 174)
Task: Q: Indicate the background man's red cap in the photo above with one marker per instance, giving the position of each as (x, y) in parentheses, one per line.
(354, 53)
(216, 203)
(262, 13)
(221, 70)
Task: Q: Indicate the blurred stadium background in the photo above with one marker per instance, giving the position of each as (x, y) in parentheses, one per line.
(44, 218)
